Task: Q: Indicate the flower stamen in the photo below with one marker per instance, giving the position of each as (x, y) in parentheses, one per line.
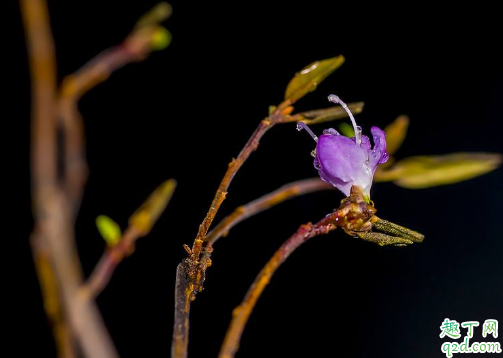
(358, 130)
(302, 125)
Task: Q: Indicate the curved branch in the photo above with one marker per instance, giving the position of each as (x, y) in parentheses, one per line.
(184, 287)
(265, 202)
(241, 314)
(136, 47)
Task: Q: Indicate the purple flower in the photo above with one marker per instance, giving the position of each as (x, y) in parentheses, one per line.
(344, 162)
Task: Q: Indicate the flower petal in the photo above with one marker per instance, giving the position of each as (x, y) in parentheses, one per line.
(378, 155)
(342, 162)
(365, 144)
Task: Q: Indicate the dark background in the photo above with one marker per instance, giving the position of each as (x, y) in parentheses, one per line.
(186, 111)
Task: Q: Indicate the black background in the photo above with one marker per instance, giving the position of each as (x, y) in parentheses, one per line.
(186, 111)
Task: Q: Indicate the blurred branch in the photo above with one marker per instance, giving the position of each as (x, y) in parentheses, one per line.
(53, 237)
(105, 268)
(55, 201)
(146, 37)
(41, 56)
(241, 313)
(65, 342)
(140, 224)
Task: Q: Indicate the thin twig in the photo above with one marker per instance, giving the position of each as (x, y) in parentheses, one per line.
(280, 115)
(136, 47)
(241, 314)
(281, 112)
(265, 202)
(196, 266)
(111, 258)
(140, 224)
(183, 291)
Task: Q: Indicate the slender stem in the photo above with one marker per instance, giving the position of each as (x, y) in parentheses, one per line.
(111, 258)
(265, 202)
(281, 115)
(197, 268)
(136, 47)
(233, 168)
(185, 285)
(140, 224)
(241, 314)
(183, 296)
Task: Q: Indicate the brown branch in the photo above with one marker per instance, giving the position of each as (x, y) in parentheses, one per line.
(183, 297)
(140, 224)
(55, 203)
(281, 112)
(280, 115)
(196, 265)
(265, 202)
(40, 47)
(241, 314)
(136, 47)
(355, 216)
(184, 287)
(83, 315)
(63, 337)
(112, 257)
(53, 236)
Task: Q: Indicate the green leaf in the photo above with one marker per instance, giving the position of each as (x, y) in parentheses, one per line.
(310, 77)
(109, 230)
(156, 15)
(347, 129)
(161, 38)
(317, 116)
(395, 133)
(428, 171)
(147, 214)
